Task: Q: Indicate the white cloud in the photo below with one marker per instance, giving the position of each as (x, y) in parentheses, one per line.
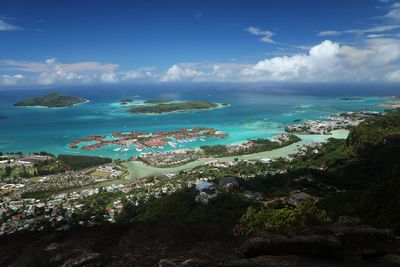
(51, 63)
(393, 76)
(109, 77)
(321, 61)
(266, 35)
(325, 62)
(141, 73)
(5, 26)
(394, 12)
(11, 79)
(176, 73)
(329, 33)
(376, 59)
(375, 29)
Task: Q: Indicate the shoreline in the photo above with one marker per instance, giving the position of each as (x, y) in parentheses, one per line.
(44, 107)
(219, 106)
(138, 169)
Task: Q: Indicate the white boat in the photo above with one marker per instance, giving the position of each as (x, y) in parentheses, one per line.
(139, 150)
(171, 144)
(117, 149)
(125, 149)
(202, 140)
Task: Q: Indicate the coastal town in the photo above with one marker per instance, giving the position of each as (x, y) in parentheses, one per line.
(344, 120)
(98, 194)
(22, 209)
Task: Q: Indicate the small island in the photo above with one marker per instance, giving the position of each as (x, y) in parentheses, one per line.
(173, 107)
(351, 98)
(158, 101)
(52, 100)
(126, 101)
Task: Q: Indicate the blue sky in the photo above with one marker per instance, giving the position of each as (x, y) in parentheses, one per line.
(75, 42)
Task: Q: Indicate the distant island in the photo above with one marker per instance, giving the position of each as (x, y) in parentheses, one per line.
(158, 101)
(172, 107)
(390, 105)
(351, 98)
(52, 100)
(126, 101)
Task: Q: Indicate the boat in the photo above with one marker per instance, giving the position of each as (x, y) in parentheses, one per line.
(125, 149)
(117, 149)
(172, 144)
(202, 140)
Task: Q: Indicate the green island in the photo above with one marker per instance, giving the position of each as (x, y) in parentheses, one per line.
(173, 107)
(126, 101)
(351, 98)
(52, 100)
(158, 101)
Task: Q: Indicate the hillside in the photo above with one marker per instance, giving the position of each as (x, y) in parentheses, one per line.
(172, 107)
(356, 181)
(52, 100)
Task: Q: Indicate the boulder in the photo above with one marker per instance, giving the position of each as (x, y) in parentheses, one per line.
(366, 241)
(194, 262)
(83, 260)
(279, 244)
(348, 221)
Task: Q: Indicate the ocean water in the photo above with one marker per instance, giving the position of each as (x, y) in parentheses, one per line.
(251, 114)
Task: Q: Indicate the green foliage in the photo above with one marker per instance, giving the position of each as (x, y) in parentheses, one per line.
(217, 150)
(288, 218)
(39, 194)
(157, 101)
(371, 138)
(95, 206)
(52, 100)
(259, 145)
(180, 206)
(77, 162)
(170, 107)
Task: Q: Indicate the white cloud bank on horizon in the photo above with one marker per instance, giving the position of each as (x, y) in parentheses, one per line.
(376, 60)
(326, 62)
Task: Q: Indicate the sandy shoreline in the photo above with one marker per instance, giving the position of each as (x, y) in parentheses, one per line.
(44, 107)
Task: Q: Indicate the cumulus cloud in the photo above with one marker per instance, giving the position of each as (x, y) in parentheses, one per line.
(11, 79)
(5, 26)
(141, 73)
(321, 61)
(376, 59)
(109, 77)
(176, 73)
(265, 34)
(51, 71)
(327, 61)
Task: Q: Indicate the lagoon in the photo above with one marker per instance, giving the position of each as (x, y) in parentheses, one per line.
(250, 114)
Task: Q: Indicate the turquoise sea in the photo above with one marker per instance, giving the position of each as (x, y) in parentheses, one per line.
(260, 113)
